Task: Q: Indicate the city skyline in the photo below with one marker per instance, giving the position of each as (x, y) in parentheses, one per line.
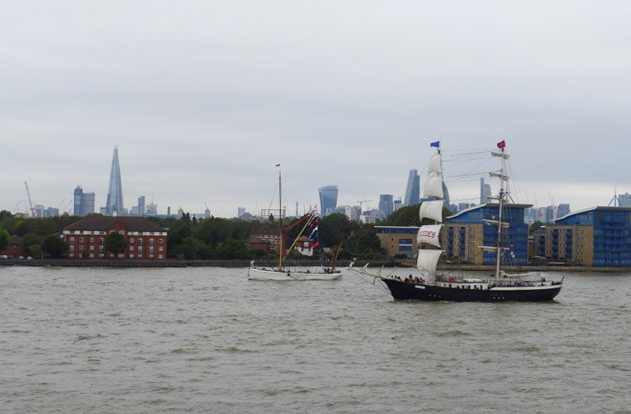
(115, 185)
(356, 105)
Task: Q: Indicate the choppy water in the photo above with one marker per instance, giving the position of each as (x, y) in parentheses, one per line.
(207, 340)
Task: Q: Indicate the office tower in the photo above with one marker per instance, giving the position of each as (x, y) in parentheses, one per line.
(624, 200)
(563, 210)
(485, 191)
(386, 204)
(328, 199)
(83, 202)
(141, 205)
(114, 204)
(240, 211)
(412, 191)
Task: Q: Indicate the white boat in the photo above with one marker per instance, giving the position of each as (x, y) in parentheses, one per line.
(283, 272)
(432, 285)
(289, 274)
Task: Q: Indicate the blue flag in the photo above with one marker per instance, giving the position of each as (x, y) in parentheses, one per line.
(435, 144)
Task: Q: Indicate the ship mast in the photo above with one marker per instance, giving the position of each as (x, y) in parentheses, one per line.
(281, 245)
(503, 180)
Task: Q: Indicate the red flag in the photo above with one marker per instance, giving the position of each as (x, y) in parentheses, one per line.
(501, 144)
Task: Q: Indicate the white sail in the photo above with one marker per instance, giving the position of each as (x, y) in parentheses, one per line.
(435, 165)
(433, 187)
(429, 234)
(428, 260)
(432, 210)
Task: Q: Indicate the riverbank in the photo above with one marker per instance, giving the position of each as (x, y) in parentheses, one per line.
(304, 263)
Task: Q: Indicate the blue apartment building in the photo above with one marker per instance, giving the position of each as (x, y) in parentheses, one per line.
(596, 237)
(465, 233)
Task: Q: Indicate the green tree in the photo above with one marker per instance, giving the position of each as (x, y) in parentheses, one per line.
(115, 243)
(365, 244)
(194, 249)
(336, 228)
(178, 231)
(234, 249)
(4, 240)
(29, 241)
(53, 246)
(405, 216)
(214, 231)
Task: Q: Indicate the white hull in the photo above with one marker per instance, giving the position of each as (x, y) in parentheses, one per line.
(291, 275)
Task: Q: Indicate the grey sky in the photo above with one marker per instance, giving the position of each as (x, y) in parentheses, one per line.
(203, 98)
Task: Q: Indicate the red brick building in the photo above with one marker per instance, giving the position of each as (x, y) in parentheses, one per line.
(15, 247)
(86, 238)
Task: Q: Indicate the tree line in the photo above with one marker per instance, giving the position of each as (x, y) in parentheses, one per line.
(199, 239)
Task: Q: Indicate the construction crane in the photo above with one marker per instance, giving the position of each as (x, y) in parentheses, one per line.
(361, 203)
(28, 193)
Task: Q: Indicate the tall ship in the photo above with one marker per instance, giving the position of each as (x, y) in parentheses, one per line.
(431, 284)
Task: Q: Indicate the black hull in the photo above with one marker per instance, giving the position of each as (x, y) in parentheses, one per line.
(405, 291)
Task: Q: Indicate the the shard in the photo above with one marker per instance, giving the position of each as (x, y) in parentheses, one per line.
(114, 203)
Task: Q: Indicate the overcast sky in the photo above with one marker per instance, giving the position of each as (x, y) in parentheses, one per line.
(204, 98)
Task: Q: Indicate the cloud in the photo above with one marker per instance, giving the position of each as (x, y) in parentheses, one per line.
(203, 98)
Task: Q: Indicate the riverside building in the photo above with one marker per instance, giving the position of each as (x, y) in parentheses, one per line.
(594, 237)
(145, 239)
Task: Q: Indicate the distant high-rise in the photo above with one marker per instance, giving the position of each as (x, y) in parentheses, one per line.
(623, 199)
(386, 204)
(83, 202)
(485, 191)
(152, 209)
(328, 199)
(141, 205)
(114, 204)
(563, 210)
(412, 192)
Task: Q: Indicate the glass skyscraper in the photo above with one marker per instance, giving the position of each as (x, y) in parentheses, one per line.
(114, 204)
(83, 202)
(412, 192)
(328, 199)
(386, 204)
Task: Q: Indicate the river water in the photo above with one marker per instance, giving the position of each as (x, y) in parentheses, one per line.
(207, 340)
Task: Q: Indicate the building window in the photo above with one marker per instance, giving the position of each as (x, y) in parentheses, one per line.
(71, 241)
(131, 248)
(131, 240)
(160, 241)
(80, 239)
(140, 242)
(151, 242)
(91, 239)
